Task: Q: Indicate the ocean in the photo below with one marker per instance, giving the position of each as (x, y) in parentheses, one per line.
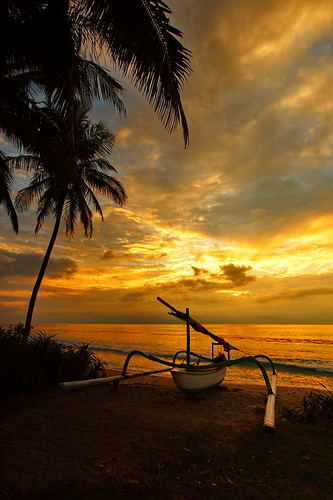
(303, 354)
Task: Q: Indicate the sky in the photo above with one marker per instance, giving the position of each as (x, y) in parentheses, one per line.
(239, 226)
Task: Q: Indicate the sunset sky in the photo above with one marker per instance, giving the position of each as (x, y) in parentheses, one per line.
(239, 226)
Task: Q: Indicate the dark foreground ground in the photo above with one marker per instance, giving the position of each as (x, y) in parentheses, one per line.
(149, 441)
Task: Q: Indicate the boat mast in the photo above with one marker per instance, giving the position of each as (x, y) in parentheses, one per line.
(188, 338)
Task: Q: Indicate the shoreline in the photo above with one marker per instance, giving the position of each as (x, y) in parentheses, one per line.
(258, 382)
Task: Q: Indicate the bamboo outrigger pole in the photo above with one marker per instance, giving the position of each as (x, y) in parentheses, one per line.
(269, 420)
(107, 380)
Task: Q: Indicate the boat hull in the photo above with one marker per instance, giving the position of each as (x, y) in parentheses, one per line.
(196, 381)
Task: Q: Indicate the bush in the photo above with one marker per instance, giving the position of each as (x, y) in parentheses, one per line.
(42, 362)
(315, 406)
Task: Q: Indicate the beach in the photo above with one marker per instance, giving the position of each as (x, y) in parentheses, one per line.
(147, 438)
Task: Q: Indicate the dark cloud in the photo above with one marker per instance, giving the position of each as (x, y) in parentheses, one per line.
(237, 274)
(198, 271)
(62, 268)
(19, 264)
(133, 258)
(28, 264)
(231, 277)
(109, 255)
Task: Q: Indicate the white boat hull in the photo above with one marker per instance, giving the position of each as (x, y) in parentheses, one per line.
(195, 381)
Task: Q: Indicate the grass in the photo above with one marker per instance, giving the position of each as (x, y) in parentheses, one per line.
(315, 406)
(42, 362)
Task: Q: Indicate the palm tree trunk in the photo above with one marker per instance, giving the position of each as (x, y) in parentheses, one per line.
(40, 276)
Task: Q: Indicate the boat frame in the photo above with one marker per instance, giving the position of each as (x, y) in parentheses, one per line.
(190, 377)
(193, 378)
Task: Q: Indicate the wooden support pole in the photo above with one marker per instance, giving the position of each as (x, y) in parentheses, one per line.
(188, 338)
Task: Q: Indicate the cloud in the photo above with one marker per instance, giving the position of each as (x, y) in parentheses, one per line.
(62, 268)
(229, 272)
(110, 255)
(198, 271)
(289, 294)
(237, 274)
(28, 264)
(22, 264)
(254, 186)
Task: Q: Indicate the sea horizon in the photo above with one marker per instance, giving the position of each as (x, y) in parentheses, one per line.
(166, 323)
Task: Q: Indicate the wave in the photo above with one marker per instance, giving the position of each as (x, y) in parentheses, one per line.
(279, 340)
(294, 366)
(122, 351)
(283, 367)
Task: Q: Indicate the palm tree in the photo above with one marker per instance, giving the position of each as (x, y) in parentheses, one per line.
(25, 75)
(135, 34)
(45, 42)
(43, 52)
(68, 193)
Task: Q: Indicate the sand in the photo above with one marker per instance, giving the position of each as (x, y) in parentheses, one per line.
(102, 437)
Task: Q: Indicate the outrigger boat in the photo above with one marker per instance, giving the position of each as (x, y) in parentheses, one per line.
(206, 373)
(192, 378)
(198, 373)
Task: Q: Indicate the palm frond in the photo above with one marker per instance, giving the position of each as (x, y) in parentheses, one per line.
(98, 164)
(79, 206)
(96, 143)
(86, 217)
(70, 212)
(92, 200)
(47, 205)
(25, 162)
(107, 186)
(99, 84)
(144, 46)
(26, 196)
(6, 181)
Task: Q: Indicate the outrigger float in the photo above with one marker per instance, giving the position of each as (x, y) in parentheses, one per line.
(198, 373)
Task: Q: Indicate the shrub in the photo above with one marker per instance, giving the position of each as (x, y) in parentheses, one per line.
(42, 362)
(315, 406)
